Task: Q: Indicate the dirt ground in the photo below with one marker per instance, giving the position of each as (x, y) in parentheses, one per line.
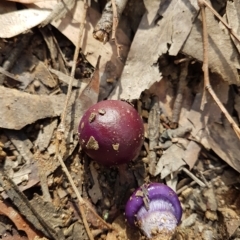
(50, 188)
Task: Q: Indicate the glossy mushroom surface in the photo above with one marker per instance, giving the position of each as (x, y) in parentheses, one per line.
(111, 132)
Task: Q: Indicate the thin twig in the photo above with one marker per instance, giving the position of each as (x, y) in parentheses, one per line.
(198, 181)
(207, 85)
(204, 179)
(114, 27)
(115, 19)
(204, 2)
(179, 191)
(61, 127)
(81, 201)
(205, 57)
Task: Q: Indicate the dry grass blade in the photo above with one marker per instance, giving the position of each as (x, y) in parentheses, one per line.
(207, 85)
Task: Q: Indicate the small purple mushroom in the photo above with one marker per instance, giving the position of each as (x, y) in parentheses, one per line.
(111, 132)
(155, 209)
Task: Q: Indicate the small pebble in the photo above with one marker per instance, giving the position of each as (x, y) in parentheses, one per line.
(36, 84)
(189, 221)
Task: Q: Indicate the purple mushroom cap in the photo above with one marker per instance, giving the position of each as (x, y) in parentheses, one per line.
(161, 200)
(111, 132)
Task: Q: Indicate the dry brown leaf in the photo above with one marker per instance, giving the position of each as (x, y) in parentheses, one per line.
(45, 135)
(233, 15)
(223, 57)
(151, 41)
(164, 91)
(197, 119)
(16, 22)
(19, 109)
(210, 129)
(69, 25)
(170, 162)
(19, 222)
(192, 153)
(225, 143)
(38, 71)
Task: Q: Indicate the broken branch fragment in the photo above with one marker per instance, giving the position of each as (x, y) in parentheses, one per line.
(109, 20)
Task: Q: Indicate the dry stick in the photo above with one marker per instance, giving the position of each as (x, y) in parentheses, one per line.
(114, 27)
(179, 191)
(207, 84)
(198, 181)
(180, 92)
(203, 2)
(115, 19)
(81, 201)
(61, 127)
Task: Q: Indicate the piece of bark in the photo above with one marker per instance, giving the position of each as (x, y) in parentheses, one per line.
(50, 214)
(153, 133)
(104, 26)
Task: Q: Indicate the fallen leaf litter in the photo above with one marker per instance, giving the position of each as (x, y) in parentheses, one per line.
(184, 143)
